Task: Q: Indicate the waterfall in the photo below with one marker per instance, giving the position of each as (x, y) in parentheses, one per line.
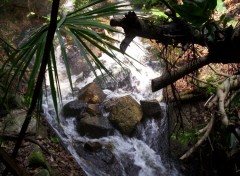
(145, 153)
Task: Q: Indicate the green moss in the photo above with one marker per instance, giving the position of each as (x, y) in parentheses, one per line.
(43, 172)
(37, 159)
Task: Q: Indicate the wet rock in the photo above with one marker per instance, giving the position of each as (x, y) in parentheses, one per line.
(93, 126)
(91, 93)
(73, 108)
(130, 168)
(122, 79)
(42, 172)
(106, 156)
(124, 113)
(78, 65)
(155, 65)
(92, 146)
(101, 162)
(151, 108)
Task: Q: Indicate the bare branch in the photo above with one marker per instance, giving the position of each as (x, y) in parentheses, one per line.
(200, 141)
(168, 78)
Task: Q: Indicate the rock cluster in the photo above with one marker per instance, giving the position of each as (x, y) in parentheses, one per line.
(97, 116)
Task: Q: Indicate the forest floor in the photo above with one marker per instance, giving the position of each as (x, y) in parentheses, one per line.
(60, 162)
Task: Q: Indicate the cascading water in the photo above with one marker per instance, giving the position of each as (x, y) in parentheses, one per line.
(143, 154)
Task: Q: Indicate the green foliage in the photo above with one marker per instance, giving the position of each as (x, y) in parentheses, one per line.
(55, 139)
(79, 26)
(220, 6)
(211, 80)
(196, 12)
(227, 21)
(79, 3)
(236, 100)
(185, 137)
(43, 172)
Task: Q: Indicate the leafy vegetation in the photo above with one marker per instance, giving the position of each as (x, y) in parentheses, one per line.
(78, 26)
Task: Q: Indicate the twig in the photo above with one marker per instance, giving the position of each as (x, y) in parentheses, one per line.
(211, 101)
(15, 137)
(210, 143)
(208, 83)
(217, 73)
(202, 130)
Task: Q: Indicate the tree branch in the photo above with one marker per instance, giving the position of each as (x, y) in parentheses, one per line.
(223, 50)
(170, 33)
(168, 78)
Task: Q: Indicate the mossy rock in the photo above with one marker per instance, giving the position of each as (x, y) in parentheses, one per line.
(37, 159)
(43, 172)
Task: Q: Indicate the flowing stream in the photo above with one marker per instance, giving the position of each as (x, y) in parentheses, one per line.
(145, 153)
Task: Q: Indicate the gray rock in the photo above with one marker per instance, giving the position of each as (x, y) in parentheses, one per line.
(121, 79)
(78, 65)
(12, 123)
(151, 108)
(100, 162)
(93, 126)
(73, 108)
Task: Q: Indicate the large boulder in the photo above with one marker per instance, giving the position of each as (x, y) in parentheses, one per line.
(93, 126)
(124, 113)
(91, 93)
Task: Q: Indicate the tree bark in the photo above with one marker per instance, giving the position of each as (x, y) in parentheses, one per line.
(224, 49)
(169, 77)
(171, 33)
